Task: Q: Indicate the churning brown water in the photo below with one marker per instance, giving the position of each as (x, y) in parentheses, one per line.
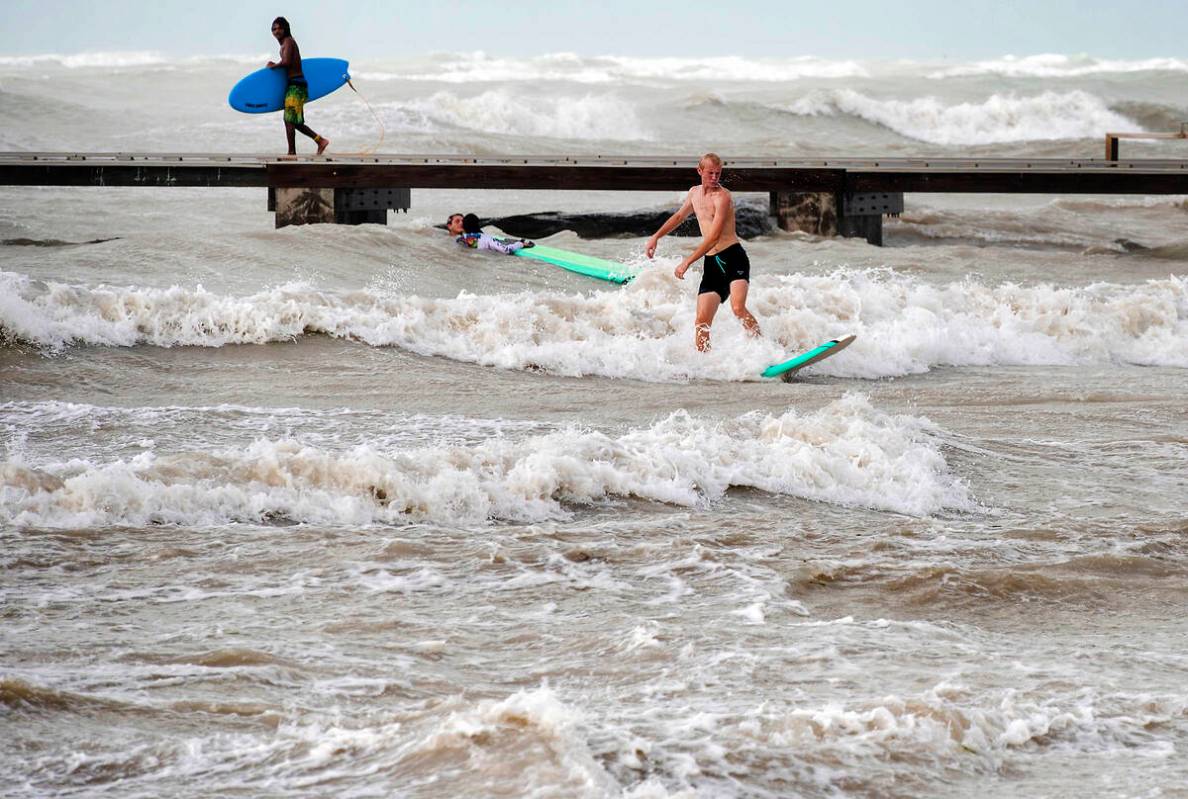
(347, 511)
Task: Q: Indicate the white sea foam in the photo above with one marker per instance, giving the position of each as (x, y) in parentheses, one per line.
(846, 453)
(503, 112)
(122, 59)
(1053, 65)
(948, 721)
(50, 426)
(479, 67)
(1174, 202)
(904, 325)
(530, 738)
(518, 744)
(139, 58)
(1000, 118)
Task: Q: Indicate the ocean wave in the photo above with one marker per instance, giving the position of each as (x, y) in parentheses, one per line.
(22, 697)
(1092, 580)
(904, 325)
(998, 228)
(846, 453)
(999, 119)
(1053, 65)
(138, 58)
(54, 424)
(122, 59)
(951, 720)
(501, 112)
(969, 727)
(1063, 223)
(27, 242)
(484, 736)
(1170, 202)
(519, 742)
(479, 67)
(1152, 116)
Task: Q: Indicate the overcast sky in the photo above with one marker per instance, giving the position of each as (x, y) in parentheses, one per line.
(919, 29)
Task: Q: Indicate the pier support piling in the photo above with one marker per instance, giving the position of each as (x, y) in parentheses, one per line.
(303, 206)
(813, 212)
(863, 227)
(856, 215)
(339, 206)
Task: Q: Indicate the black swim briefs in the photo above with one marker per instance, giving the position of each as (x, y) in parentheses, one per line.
(719, 271)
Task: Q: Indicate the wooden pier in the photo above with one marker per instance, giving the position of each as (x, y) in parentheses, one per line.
(1112, 140)
(823, 195)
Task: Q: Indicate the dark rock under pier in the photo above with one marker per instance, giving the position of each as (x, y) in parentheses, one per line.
(751, 220)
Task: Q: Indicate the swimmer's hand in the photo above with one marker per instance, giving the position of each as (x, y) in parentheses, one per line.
(650, 247)
(680, 271)
(271, 65)
(527, 244)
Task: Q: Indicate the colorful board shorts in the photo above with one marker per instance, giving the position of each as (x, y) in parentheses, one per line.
(719, 271)
(295, 97)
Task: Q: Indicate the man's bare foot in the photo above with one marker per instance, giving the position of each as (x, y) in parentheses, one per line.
(323, 143)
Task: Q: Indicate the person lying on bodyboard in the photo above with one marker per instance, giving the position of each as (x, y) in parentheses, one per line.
(469, 233)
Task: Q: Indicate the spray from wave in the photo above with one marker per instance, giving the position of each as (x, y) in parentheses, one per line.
(126, 59)
(846, 453)
(999, 119)
(499, 111)
(1053, 65)
(904, 325)
(481, 68)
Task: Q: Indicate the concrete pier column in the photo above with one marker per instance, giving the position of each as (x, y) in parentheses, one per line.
(863, 227)
(813, 212)
(854, 216)
(303, 206)
(369, 206)
(338, 206)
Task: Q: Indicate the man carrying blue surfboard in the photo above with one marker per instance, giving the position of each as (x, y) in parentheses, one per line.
(297, 90)
(726, 270)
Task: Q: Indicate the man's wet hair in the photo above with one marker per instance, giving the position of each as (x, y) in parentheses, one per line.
(284, 23)
(713, 158)
(471, 224)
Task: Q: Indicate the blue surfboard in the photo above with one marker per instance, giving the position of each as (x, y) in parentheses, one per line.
(264, 90)
(788, 368)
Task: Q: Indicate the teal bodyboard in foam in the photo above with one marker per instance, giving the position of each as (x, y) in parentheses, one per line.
(789, 367)
(587, 265)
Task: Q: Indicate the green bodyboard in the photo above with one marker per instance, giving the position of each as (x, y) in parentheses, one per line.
(582, 264)
(786, 369)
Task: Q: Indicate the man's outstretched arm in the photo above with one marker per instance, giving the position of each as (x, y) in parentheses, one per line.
(680, 216)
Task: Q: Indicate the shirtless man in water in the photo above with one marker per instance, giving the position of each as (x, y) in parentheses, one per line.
(726, 270)
(297, 90)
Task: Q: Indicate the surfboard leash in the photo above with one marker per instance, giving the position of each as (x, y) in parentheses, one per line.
(378, 121)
